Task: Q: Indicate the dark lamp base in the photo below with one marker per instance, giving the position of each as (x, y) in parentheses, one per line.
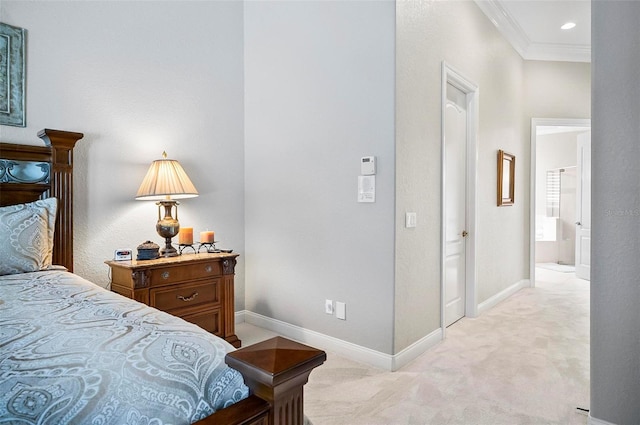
(168, 250)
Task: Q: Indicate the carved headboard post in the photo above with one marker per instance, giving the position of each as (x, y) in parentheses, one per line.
(62, 143)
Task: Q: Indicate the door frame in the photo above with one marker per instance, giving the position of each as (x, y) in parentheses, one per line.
(583, 150)
(451, 76)
(535, 123)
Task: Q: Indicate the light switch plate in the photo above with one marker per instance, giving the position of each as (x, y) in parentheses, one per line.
(410, 220)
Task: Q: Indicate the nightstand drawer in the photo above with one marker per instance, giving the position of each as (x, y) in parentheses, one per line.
(187, 295)
(196, 287)
(209, 320)
(167, 275)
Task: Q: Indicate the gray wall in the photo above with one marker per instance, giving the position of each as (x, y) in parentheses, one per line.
(319, 94)
(615, 289)
(138, 78)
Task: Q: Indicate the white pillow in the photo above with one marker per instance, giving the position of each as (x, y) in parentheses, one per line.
(26, 236)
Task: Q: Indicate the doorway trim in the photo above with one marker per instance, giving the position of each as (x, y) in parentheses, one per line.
(535, 123)
(451, 76)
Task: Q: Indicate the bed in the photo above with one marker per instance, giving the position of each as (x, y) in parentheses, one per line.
(72, 352)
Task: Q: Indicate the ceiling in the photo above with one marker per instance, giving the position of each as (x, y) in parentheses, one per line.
(533, 27)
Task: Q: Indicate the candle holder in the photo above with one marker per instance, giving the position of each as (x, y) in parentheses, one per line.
(210, 247)
(183, 246)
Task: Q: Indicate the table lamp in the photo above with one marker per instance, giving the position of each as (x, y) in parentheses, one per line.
(165, 182)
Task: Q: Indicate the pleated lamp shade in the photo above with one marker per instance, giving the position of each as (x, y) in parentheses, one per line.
(166, 179)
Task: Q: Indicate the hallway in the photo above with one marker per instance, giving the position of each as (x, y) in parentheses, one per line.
(526, 361)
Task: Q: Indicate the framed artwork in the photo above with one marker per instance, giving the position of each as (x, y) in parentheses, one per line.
(506, 178)
(12, 76)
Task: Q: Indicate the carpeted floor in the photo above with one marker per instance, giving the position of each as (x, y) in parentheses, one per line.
(524, 362)
(564, 268)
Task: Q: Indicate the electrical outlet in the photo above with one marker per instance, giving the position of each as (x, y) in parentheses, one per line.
(328, 307)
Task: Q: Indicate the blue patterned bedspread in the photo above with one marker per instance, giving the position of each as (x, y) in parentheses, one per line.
(74, 353)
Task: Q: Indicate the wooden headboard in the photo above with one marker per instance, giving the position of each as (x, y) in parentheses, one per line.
(56, 181)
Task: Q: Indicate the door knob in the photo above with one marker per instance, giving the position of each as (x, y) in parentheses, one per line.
(578, 223)
(465, 233)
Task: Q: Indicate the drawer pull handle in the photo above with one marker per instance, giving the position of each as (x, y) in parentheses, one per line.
(187, 299)
(165, 275)
(208, 269)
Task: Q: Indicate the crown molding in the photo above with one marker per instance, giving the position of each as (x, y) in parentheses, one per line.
(558, 52)
(528, 50)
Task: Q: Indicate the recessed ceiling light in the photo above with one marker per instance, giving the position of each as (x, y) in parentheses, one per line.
(568, 26)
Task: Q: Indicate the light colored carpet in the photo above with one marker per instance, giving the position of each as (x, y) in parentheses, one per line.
(563, 268)
(524, 362)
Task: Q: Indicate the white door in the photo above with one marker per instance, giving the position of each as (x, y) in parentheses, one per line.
(583, 207)
(455, 193)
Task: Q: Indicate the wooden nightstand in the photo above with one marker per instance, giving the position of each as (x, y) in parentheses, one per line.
(195, 287)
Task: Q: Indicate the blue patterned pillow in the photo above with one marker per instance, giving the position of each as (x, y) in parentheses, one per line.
(26, 236)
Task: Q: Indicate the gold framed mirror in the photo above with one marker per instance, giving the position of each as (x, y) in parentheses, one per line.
(506, 178)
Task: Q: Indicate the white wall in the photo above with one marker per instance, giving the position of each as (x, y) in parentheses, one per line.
(557, 90)
(319, 79)
(615, 316)
(138, 78)
(459, 33)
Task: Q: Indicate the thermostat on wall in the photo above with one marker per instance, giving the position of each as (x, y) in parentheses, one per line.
(368, 165)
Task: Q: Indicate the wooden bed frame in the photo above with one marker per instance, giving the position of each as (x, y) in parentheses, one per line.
(275, 370)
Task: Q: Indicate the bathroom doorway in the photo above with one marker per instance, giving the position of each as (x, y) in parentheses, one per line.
(555, 228)
(554, 146)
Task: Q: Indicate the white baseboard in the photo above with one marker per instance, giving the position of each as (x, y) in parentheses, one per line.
(239, 317)
(344, 348)
(413, 351)
(321, 341)
(593, 421)
(502, 295)
(362, 354)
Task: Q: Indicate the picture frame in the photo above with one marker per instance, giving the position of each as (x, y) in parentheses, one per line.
(506, 178)
(12, 76)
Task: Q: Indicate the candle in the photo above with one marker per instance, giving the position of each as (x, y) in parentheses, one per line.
(185, 236)
(206, 236)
